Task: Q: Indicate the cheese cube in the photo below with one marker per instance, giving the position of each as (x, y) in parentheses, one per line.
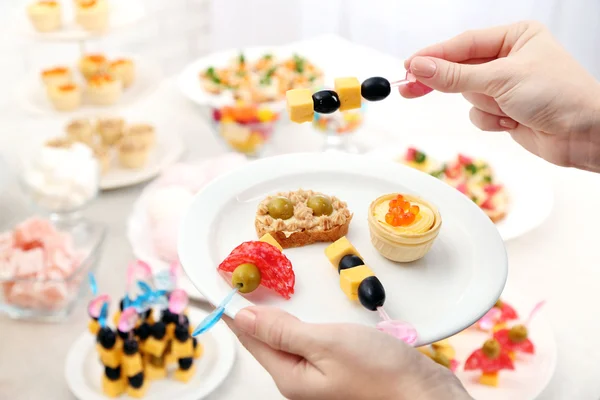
(182, 350)
(137, 393)
(489, 379)
(111, 358)
(93, 327)
(113, 388)
(348, 90)
(267, 238)
(338, 249)
(185, 376)
(154, 346)
(300, 105)
(132, 364)
(116, 318)
(351, 278)
(425, 350)
(444, 347)
(170, 331)
(199, 350)
(170, 358)
(155, 372)
(499, 326)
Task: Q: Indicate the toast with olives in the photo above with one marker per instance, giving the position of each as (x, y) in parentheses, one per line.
(302, 217)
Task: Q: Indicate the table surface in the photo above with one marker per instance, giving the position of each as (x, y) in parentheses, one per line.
(558, 262)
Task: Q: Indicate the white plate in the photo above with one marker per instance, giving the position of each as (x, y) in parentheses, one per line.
(83, 371)
(123, 13)
(529, 188)
(530, 376)
(440, 295)
(31, 93)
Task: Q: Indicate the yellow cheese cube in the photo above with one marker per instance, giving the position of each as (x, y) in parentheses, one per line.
(111, 358)
(489, 379)
(138, 393)
(300, 106)
(185, 376)
(116, 318)
(267, 238)
(155, 372)
(512, 355)
(93, 327)
(444, 347)
(182, 350)
(155, 347)
(348, 90)
(425, 350)
(199, 350)
(338, 249)
(170, 358)
(499, 327)
(113, 388)
(132, 364)
(351, 278)
(170, 331)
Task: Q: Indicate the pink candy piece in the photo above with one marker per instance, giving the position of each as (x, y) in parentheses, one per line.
(399, 330)
(178, 301)
(32, 233)
(28, 263)
(22, 294)
(128, 319)
(95, 305)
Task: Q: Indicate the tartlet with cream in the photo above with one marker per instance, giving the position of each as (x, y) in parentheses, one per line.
(403, 227)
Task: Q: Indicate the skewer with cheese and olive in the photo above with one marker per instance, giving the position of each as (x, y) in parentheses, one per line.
(347, 95)
(357, 280)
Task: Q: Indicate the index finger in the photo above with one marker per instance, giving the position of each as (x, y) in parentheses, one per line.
(475, 44)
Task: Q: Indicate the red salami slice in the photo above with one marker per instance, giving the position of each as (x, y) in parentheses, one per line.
(275, 268)
(479, 361)
(508, 313)
(526, 346)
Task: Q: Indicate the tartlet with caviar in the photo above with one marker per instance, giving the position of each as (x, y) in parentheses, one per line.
(92, 15)
(45, 16)
(65, 97)
(403, 227)
(56, 76)
(302, 217)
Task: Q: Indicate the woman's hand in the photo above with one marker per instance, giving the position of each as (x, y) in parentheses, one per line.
(340, 361)
(520, 80)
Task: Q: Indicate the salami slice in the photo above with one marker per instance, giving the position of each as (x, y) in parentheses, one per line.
(275, 268)
(479, 361)
(508, 313)
(526, 346)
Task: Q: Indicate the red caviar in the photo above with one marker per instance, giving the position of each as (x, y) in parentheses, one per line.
(401, 212)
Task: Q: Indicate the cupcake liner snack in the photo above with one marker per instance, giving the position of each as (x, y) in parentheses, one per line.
(142, 348)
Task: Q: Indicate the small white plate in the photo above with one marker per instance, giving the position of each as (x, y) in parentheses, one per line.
(31, 93)
(443, 293)
(123, 14)
(529, 189)
(530, 376)
(83, 371)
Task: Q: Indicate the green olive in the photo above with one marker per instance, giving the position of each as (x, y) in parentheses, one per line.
(491, 348)
(517, 333)
(281, 208)
(441, 359)
(498, 304)
(320, 205)
(246, 277)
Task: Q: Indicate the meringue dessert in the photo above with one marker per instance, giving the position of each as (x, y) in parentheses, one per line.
(104, 90)
(92, 15)
(403, 227)
(92, 64)
(65, 97)
(123, 70)
(57, 76)
(45, 16)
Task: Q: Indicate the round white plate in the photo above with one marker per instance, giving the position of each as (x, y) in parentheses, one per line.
(31, 93)
(443, 293)
(83, 371)
(123, 13)
(529, 188)
(531, 375)
(168, 150)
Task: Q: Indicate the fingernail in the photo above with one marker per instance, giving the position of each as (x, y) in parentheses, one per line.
(507, 123)
(423, 67)
(246, 321)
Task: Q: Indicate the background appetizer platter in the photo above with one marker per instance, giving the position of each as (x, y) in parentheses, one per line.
(97, 80)
(65, 27)
(327, 211)
(519, 195)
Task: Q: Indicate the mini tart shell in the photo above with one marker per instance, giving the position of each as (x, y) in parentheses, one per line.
(92, 18)
(402, 247)
(44, 18)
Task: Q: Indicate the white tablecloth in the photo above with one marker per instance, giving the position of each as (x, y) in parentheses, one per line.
(559, 261)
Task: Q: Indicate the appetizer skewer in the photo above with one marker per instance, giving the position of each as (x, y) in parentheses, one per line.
(516, 339)
(491, 358)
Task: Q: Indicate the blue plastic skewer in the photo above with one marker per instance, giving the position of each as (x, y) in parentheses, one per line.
(214, 316)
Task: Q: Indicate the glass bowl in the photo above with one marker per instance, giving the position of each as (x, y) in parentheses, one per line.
(339, 129)
(53, 299)
(246, 128)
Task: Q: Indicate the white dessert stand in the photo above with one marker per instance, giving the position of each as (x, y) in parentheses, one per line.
(440, 295)
(529, 189)
(83, 371)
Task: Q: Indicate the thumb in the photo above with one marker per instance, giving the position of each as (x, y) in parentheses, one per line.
(450, 77)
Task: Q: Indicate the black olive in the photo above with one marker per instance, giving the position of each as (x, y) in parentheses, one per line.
(159, 330)
(130, 347)
(350, 261)
(168, 317)
(143, 331)
(326, 101)
(182, 333)
(375, 88)
(185, 363)
(371, 293)
(121, 304)
(106, 337)
(122, 335)
(112, 373)
(136, 381)
(195, 342)
(146, 314)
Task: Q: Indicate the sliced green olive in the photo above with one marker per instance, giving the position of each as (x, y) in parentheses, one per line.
(321, 205)
(246, 277)
(281, 208)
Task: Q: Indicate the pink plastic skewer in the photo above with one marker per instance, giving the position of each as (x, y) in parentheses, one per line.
(533, 312)
(398, 329)
(410, 78)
